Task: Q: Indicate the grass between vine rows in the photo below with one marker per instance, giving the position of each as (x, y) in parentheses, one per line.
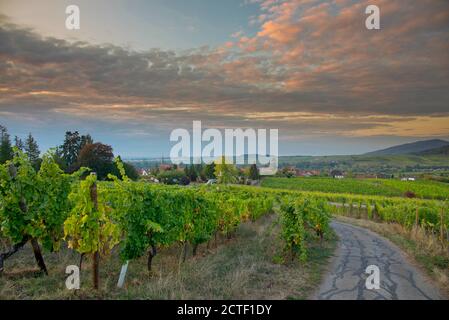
(246, 267)
(424, 249)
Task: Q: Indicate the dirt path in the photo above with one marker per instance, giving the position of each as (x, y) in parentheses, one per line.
(358, 248)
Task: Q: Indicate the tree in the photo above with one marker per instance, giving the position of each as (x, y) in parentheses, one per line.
(85, 139)
(187, 171)
(253, 172)
(285, 172)
(200, 172)
(155, 171)
(71, 148)
(19, 143)
(130, 170)
(225, 171)
(32, 151)
(59, 159)
(200, 169)
(98, 157)
(191, 173)
(209, 171)
(6, 152)
(173, 177)
(184, 181)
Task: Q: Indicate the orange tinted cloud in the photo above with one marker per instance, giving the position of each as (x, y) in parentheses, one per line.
(312, 62)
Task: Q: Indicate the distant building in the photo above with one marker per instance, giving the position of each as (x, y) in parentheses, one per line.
(266, 171)
(144, 173)
(337, 174)
(165, 167)
(307, 173)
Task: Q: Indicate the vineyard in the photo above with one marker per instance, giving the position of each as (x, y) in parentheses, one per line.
(381, 187)
(49, 208)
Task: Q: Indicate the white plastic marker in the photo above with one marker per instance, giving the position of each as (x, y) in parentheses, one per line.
(121, 279)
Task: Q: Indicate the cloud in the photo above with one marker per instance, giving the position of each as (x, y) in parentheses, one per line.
(311, 68)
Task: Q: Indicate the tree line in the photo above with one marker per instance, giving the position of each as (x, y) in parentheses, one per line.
(221, 170)
(76, 151)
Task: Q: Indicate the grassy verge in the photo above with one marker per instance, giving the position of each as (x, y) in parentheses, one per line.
(424, 248)
(245, 267)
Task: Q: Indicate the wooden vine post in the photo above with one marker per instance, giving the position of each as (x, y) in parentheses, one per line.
(96, 254)
(417, 217)
(442, 225)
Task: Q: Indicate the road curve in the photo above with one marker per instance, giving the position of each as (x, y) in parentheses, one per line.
(358, 248)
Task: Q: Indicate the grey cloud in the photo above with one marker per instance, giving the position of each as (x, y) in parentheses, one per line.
(205, 80)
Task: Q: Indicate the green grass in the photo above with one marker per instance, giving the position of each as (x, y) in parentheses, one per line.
(380, 187)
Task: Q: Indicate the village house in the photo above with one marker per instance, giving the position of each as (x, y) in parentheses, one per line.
(144, 173)
(165, 167)
(307, 173)
(337, 174)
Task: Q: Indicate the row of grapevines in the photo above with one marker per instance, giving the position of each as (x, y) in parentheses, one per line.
(433, 215)
(424, 189)
(299, 216)
(93, 217)
(142, 217)
(33, 205)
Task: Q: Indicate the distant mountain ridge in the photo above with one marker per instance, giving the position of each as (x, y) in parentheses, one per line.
(418, 147)
(436, 151)
(435, 147)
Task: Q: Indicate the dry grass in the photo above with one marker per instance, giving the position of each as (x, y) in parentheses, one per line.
(241, 268)
(424, 248)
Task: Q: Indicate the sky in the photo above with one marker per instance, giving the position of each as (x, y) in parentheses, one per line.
(136, 70)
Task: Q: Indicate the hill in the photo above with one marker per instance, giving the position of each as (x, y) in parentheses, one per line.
(411, 148)
(387, 164)
(436, 151)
